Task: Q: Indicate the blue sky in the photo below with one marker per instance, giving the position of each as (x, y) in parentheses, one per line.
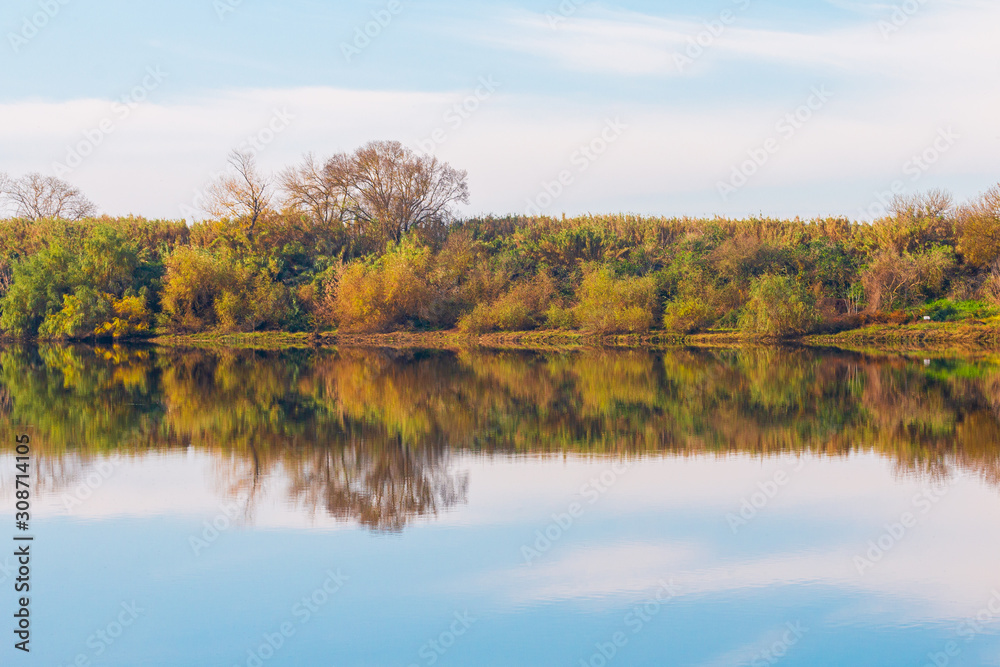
(674, 127)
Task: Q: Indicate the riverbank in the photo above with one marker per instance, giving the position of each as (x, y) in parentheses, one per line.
(931, 336)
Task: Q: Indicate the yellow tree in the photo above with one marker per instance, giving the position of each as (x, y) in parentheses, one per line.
(979, 225)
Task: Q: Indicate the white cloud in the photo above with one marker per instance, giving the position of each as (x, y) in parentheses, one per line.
(930, 40)
(933, 74)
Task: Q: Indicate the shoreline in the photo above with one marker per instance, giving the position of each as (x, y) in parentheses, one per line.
(929, 337)
(954, 337)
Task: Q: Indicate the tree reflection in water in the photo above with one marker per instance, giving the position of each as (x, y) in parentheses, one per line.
(380, 490)
(370, 436)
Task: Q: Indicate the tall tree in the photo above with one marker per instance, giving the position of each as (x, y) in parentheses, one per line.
(35, 196)
(382, 190)
(394, 190)
(318, 191)
(979, 229)
(244, 194)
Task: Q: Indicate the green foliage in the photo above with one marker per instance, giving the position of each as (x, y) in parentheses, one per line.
(37, 289)
(610, 305)
(73, 291)
(205, 291)
(688, 316)
(558, 317)
(603, 274)
(778, 306)
(521, 308)
(946, 310)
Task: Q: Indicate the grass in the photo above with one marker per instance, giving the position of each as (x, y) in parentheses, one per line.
(929, 335)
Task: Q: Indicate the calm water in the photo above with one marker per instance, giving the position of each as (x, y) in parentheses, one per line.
(709, 508)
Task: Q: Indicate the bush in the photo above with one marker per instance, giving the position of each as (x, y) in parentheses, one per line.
(206, 291)
(900, 280)
(778, 306)
(688, 316)
(557, 317)
(979, 229)
(383, 295)
(82, 313)
(610, 305)
(946, 310)
(522, 308)
(71, 290)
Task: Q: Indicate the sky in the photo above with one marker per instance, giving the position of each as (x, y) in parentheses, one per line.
(721, 107)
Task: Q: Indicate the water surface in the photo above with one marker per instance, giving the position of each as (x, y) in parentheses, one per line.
(367, 507)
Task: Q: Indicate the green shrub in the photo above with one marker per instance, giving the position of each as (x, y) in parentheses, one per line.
(557, 317)
(206, 291)
(778, 306)
(946, 310)
(70, 288)
(37, 289)
(610, 305)
(688, 316)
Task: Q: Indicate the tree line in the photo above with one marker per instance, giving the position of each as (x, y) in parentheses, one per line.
(370, 241)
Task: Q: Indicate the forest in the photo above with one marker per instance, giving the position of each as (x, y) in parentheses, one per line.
(370, 242)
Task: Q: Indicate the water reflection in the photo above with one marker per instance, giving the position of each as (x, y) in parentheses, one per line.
(368, 436)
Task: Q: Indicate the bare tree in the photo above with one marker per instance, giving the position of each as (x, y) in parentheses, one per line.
(979, 232)
(935, 203)
(395, 190)
(245, 194)
(383, 189)
(320, 192)
(35, 196)
(4, 184)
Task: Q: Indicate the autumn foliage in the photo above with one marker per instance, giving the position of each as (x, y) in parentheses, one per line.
(325, 247)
